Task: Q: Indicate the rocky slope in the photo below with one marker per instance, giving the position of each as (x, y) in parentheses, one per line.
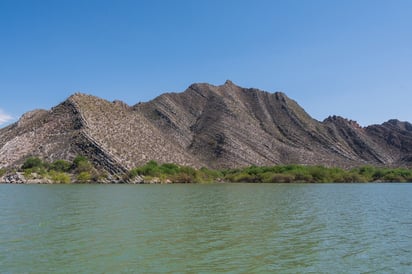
(206, 125)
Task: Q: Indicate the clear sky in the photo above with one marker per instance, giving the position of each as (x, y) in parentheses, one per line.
(349, 58)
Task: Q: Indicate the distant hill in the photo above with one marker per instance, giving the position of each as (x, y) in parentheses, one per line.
(211, 126)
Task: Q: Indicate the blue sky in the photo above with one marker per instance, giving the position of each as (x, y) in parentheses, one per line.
(349, 58)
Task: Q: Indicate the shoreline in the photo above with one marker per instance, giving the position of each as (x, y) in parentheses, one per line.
(82, 171)
(157, 181)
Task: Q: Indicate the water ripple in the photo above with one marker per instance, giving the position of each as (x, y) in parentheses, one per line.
(230, 228)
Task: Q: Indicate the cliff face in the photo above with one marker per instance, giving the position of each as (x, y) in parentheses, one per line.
(395, 138)
(227, 126)
(51, 134)
(206, 125)
(125, 134)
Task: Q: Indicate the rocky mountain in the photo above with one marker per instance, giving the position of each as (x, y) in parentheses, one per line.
(212, 126)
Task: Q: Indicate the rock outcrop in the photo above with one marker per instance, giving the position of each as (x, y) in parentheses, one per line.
(212, 126)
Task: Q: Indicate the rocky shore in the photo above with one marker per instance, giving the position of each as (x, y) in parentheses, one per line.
(20, 178)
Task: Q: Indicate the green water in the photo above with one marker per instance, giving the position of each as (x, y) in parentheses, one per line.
(226, 228)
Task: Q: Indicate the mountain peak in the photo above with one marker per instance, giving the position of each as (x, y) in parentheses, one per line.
(341, 120)
(83, 96)
(229, 83)
(399, 124)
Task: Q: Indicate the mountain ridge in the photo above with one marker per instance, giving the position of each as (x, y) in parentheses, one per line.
(222, 126)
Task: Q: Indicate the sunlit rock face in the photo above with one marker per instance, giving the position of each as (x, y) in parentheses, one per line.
(211, 126)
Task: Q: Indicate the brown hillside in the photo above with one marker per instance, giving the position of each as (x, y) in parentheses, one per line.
(206, 125)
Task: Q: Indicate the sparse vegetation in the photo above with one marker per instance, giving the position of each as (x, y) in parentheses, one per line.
(59, 177)
(317, 174)
(62, 171)
(169, 172)
(81, 170)
(34, 165)
(84, 177)
(271, 174)
(61, 166)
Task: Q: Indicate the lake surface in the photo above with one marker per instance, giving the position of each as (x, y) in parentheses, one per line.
(230, 228)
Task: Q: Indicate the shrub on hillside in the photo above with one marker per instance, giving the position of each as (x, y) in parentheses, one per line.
(33, 163)
(84, 177)
(61, 166)
(2, 171)
(82, 164)
(59, 177)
